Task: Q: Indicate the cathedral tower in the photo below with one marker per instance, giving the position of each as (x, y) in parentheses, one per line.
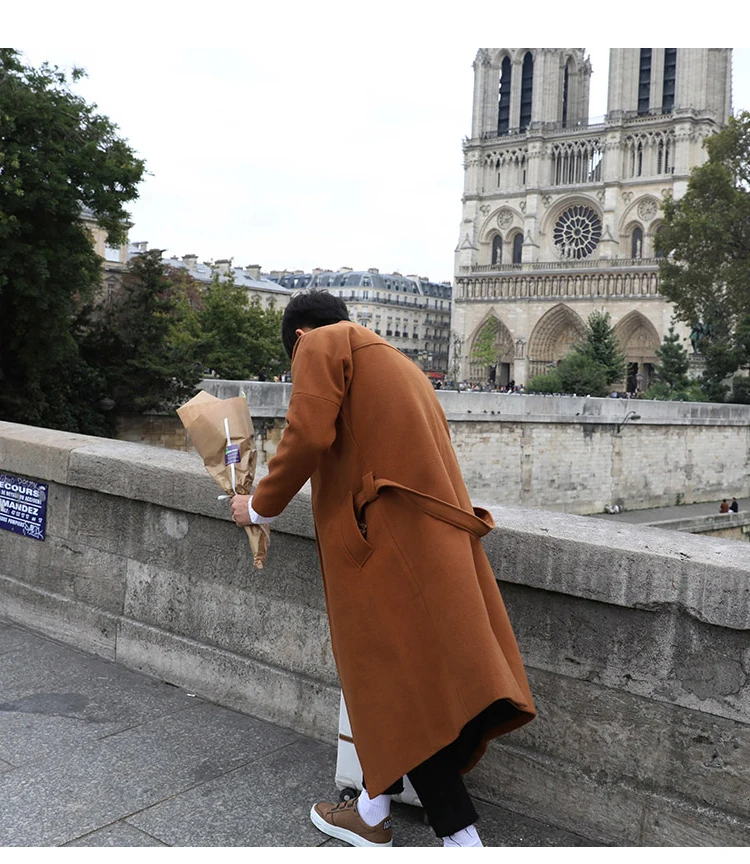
(560, 215)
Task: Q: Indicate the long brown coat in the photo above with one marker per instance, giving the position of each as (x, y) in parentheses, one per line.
(419, 631)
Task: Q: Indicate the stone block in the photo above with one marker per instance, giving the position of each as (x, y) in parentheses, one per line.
(36, 453)
(530, 784)
(651, 745)
(236, 615)
(639, 567)
(69, 621)
(239, 682)
(142, 473)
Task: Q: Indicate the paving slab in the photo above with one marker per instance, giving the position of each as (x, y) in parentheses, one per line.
(12, 638)
(53, 698)
(106, 757)
(118, 835)
(56, 800)
(266, 803)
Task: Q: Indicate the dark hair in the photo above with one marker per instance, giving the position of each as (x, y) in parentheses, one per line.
(312, 308)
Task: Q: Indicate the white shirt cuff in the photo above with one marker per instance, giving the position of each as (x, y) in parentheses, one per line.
(256, 518)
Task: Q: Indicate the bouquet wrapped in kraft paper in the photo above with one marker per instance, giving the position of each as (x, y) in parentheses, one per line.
(222, 432)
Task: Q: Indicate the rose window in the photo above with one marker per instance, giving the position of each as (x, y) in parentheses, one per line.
(577, 232)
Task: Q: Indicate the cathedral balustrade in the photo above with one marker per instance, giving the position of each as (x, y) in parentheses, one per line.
(626, 283)
(594, 264)
(549, 129)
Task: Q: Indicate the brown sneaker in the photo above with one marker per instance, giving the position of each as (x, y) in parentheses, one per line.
(343, 822)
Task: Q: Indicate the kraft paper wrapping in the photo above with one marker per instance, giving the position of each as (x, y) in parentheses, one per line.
(203, 418)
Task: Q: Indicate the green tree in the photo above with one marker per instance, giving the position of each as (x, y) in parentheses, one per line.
(601, 346)
(591, 368)
(484, 350)
(547, 382)
(671, 380)
(706, 241)
(143, 340)
(57, 156)
(236, 338)
(577, 373)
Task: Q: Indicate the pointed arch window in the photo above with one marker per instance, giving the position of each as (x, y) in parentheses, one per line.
(566, 84)
(644, 82)
(503, 110)
(658, 252)
(517, 248)
(670, 78)
(527, 81)
(497, 249)
(636, 242)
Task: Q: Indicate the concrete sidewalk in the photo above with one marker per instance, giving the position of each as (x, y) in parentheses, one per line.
(92, 754)
(664, 514)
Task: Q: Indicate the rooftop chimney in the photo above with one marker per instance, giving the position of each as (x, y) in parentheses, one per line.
(224, 264)
(190, 261)
(253, 270)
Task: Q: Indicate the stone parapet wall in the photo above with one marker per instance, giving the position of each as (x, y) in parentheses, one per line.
(159, 430)
(573, 454)
(637, 641)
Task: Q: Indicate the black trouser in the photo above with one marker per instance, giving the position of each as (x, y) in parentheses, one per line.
(441, 789)
(438, 780)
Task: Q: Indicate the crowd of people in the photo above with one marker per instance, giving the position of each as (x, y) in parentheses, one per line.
(475, 387)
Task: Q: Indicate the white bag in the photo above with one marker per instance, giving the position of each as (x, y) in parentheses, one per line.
(349, 771)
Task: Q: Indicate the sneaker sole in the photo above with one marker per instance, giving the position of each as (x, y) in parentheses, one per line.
(350, 837)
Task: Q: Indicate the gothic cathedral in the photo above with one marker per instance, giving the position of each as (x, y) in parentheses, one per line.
(560, 214)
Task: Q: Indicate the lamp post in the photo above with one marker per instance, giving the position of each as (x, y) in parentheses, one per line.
(631, 415)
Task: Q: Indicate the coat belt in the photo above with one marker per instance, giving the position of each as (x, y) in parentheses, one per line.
(478, 523)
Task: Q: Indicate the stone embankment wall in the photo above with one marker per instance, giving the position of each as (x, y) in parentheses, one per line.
(637, 641)
(570, 454)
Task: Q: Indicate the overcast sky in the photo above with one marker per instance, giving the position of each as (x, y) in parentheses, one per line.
(318, 134)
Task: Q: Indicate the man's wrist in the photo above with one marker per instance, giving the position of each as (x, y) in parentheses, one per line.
(256, 518)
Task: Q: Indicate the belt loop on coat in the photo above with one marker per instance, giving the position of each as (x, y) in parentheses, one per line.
(367, 493)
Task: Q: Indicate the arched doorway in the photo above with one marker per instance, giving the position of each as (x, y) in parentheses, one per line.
(553, 337)
(638, 341)
(493, 338)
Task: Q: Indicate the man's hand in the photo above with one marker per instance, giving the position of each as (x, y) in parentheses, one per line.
(240, 510)
(244, 515)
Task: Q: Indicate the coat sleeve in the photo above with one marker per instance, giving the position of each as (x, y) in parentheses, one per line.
(321, 371)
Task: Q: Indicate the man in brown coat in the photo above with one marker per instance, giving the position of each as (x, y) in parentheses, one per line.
(427, 660)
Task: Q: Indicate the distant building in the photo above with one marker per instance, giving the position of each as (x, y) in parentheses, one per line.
(114, 258)
(259, 288)
(410, 312)
(560, 214)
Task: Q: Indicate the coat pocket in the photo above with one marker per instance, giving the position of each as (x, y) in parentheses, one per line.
(352, 539)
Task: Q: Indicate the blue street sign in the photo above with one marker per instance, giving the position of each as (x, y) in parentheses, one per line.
(23, 506)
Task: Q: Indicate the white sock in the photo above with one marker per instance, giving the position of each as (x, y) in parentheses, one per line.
(464, 837)
(373, 810)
